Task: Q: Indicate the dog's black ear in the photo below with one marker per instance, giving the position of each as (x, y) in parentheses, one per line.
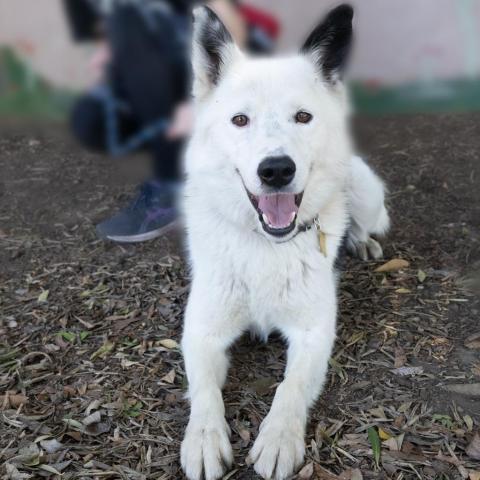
(213, 49)
(330, 42)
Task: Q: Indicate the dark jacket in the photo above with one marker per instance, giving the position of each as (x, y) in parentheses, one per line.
(85, 16)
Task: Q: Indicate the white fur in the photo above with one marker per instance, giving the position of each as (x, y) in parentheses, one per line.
(243, 277)
(368, 214)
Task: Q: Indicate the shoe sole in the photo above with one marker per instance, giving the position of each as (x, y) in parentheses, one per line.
(144, 237)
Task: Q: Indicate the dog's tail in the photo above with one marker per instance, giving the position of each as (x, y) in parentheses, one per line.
(368, 214)
(366, 193)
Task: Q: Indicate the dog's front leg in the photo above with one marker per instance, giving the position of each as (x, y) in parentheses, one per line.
(279, 448)
(209, 331)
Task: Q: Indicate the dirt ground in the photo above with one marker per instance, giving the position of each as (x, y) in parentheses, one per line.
(91, 377)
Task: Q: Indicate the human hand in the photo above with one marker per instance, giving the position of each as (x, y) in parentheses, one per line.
(99, 61)
(182, 123)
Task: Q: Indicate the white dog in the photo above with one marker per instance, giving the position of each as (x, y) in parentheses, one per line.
(272, 187)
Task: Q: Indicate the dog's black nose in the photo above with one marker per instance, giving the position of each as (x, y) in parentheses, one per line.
(277, 171)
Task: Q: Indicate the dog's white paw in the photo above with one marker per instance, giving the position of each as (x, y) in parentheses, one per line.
(370, 249)
(279, 449)
(206, 447)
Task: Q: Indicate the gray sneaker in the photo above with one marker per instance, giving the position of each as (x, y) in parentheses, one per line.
(151, 214)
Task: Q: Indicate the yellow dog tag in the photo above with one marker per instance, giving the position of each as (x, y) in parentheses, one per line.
(322, 237)
(322, 242)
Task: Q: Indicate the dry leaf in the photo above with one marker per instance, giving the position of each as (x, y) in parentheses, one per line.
(473, 449)
(12, 400)
(474, 475)
(394, 444)
(473, 341)
(356, 474)
(98, 428)
(77, 436)
(73, 423)
(244, 435)
(168, 343)
(306, 472)
(421, 275)
(378, 412)
(468, 422)
(28, 455)
(51, 446)
(262, 386)
(400, 358)
(50, 469)
(43, 296)
(14, 474)
(169, 377)
(351, 474)
(95, 417)
(393, 265)
(69, 391)
(406, 371)
(323, 474)
(94, 405)
(128, 363)
(383, 434)
(103, 351)
(469, 389)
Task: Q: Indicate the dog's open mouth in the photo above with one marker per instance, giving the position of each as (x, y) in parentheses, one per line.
(277, 211)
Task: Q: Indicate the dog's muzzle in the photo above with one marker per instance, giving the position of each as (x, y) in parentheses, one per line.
(277, 211)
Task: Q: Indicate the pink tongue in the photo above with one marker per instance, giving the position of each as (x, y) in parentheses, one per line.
(279, 208)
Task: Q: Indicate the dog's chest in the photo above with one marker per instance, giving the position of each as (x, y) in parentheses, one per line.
(273, 283)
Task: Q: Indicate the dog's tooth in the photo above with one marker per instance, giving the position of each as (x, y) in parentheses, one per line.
(267, 221)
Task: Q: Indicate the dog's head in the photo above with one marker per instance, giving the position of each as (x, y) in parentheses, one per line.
(271, 135)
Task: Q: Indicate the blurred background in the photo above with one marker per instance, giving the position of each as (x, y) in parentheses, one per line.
(410, 56)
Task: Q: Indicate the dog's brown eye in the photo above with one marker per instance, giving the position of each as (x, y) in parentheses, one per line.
(240, 120)
(303, 117)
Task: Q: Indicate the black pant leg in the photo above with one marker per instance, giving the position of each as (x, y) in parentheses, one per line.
(149, 72)
(88, 123)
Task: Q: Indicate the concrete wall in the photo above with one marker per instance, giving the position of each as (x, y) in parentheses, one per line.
(36, 29)
(397, 40)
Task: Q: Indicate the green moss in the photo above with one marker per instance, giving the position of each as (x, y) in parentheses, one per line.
(25, 94)
(439, 96)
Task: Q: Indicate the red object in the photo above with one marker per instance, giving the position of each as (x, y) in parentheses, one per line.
(261, 19)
